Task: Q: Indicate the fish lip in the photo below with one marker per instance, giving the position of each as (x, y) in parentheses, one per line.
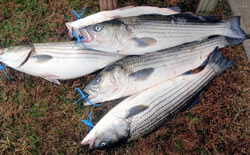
(90, 142)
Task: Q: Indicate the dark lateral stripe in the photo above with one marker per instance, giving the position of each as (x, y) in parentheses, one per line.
(202, 81)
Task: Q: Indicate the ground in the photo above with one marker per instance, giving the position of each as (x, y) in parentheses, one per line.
(39, 117)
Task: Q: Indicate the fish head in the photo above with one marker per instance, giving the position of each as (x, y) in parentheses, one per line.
(108, 131)
(110, 82)
(111, 35)
(15, 56)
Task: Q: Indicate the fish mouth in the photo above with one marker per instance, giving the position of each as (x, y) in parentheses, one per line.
(88, 36)
(90, 142)
(27, 57)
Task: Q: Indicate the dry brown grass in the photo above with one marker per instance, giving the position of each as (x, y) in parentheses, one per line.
(38, 117)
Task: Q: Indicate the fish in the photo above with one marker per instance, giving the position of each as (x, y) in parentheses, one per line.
(134, 74)
(145, 112)
(117, 13)
(138, 35)
(56, 61)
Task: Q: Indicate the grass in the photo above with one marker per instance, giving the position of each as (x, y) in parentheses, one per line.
(38, 117)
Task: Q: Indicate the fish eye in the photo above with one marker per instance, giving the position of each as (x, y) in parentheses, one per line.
(98, 27)
(103, 144)
(96, 80)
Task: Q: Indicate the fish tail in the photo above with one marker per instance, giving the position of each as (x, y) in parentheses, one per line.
(233, 41)
(218, 62)
(234, 30)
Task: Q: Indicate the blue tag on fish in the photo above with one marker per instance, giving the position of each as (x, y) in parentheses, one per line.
(88, 123)
(79, 16)
(85, 98)
(79, 40)
(2, 68)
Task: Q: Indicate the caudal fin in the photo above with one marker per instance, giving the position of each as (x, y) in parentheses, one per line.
(218, 62)
(234, 41)
(234, 30)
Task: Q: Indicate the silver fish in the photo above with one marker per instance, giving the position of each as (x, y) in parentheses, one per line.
(148, 33)
(134, 74)
(143, 113)
(54, 61)
(117, 13)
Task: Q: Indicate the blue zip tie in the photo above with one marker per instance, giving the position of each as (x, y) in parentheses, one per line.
(79, 40)
(88, 123)
(79, 16)
(85, 98)
(2, 68)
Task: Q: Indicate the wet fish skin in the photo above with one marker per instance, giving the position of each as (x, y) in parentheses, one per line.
(149, 33)
(55, 61)
(134, 74)
(117, 13)
(142, 113)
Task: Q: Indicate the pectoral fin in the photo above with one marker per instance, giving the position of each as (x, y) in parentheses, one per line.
(142, 74)
(135, 110)
(42, 58)
(144, 42)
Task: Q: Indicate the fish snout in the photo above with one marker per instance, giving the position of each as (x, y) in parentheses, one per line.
(90, 142)
(70, 30)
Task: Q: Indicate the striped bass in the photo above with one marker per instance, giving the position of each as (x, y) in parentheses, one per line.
(117, 13)
(142, 113)
(149, 33)
(134, 74)
(54, 61)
